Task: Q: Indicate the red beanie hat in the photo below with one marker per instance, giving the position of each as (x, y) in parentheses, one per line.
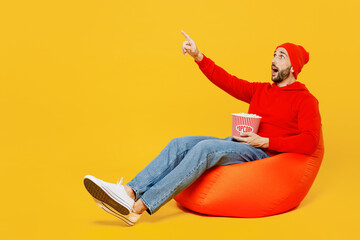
(298, 56)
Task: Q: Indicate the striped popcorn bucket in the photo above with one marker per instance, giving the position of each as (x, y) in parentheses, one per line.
(243, 122)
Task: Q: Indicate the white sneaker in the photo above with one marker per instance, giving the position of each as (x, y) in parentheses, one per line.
(113, 195)
(129, 219)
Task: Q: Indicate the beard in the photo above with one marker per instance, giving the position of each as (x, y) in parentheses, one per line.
(283, 74)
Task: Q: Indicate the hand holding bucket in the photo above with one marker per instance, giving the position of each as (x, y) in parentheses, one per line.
(243, 122)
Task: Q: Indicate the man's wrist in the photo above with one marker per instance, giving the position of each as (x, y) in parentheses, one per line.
(199, 57)
(266, 143)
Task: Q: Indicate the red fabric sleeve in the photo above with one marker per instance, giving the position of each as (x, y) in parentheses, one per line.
(309, 123)
(238, 88)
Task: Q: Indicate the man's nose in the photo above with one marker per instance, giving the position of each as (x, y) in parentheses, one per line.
(273, 61)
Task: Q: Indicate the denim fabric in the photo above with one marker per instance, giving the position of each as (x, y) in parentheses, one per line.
(182, 161)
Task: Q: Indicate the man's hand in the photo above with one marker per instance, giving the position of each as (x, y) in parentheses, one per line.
(253, 140)
(189, 46)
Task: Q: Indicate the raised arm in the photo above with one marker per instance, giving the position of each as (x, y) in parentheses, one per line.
(238, 88)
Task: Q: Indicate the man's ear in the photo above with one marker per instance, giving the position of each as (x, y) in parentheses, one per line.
(292, 69)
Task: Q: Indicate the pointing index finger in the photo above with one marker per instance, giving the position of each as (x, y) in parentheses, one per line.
(187, 36)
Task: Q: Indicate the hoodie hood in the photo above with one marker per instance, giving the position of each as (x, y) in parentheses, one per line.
(295, 86)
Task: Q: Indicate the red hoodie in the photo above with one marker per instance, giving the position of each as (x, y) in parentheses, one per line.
(290, 114)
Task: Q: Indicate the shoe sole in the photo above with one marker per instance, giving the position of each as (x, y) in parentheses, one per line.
(103, 196)
(108, 209)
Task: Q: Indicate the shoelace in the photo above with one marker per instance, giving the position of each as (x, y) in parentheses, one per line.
(119, 182)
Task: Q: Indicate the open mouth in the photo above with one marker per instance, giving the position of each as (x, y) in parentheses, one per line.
(274, 70)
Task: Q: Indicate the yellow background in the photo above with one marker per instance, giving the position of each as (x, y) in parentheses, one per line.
(100, 87)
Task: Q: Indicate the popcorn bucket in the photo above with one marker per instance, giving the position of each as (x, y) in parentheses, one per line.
(243, 122)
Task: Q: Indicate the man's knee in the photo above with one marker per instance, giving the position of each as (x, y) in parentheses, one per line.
(176, 140)
(184, 140)
(206, 145)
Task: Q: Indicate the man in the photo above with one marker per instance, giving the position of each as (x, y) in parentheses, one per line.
(290, 122)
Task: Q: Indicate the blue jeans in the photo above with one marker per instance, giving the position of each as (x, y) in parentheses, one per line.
(182, 161)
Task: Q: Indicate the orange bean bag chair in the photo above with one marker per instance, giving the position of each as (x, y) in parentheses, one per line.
(254, 189)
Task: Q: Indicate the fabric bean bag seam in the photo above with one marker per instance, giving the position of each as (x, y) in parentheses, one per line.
(201, 204)
(204, 198)
(307, 172)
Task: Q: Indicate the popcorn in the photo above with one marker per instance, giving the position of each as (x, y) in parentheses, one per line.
(246, 115)
(244, 122)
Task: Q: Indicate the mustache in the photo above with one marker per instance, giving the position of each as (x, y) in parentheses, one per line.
(274, 66)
